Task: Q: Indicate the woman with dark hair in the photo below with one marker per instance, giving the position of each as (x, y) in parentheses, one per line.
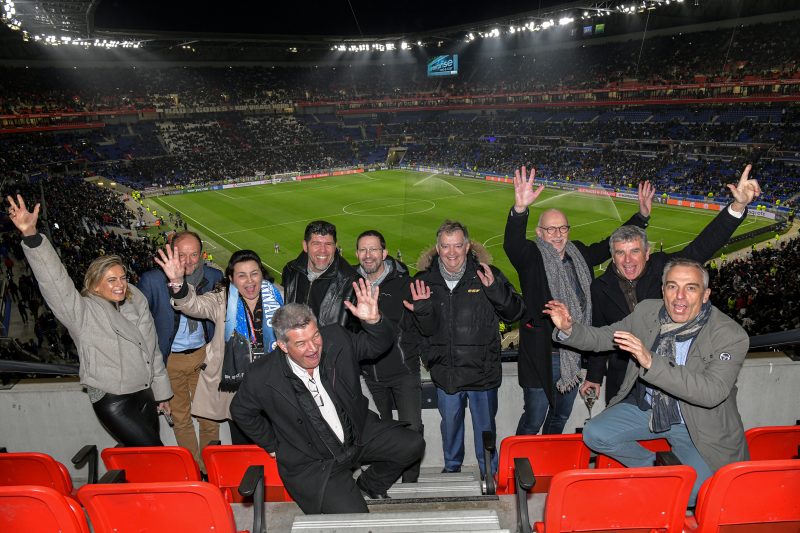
(241, 308)
(120, 363)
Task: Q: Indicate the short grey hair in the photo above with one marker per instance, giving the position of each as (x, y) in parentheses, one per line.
(628, 234)
(452, 226)
(289, 317)
(684, 262)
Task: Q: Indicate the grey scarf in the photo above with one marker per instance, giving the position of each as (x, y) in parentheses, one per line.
(561, 289)
(452, 276)
(193, 279)
(665, 411)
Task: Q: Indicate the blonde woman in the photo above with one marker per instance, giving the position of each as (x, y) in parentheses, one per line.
(120, 363)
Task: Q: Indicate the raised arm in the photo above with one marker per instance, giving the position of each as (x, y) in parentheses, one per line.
(515, 244)
(717, 233)
(54, 282)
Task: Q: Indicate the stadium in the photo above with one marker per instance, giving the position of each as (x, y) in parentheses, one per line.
(130, 121)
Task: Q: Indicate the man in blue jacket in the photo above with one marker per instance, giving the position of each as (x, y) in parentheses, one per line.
(182, 339)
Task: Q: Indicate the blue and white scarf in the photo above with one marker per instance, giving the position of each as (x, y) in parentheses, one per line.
(238, 353)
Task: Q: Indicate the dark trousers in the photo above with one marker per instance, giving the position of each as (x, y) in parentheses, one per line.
(388, 453)
(132, 419)
(406, 391)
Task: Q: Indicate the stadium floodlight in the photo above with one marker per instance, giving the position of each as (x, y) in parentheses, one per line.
(565, 20)
(512, 30)
(404, 45)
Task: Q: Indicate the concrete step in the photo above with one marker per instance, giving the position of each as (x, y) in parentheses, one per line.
(453, 489)
(475, 521)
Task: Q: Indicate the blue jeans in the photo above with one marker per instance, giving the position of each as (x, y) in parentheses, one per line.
(537, 410)
(614, 432)
(482, 409)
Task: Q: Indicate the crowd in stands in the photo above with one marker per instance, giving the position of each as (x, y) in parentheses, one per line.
(763, 50)
(762, 291)
(694, 156)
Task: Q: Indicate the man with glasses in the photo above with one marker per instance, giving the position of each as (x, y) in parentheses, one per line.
(303, 404)
(392, 378)
(552, 267)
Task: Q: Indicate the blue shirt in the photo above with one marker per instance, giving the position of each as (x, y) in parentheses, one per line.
(681, 353)
(187, 341)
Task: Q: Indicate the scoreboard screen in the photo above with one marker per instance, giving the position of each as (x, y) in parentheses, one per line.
(443, 65)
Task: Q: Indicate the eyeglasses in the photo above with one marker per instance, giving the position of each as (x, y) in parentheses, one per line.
(551, 230)
(369, 250)
(314, 390)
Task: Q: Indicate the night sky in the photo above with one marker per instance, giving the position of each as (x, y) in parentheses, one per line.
(332, 17)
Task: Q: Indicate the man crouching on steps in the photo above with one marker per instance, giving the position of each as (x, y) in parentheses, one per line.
(303, 404)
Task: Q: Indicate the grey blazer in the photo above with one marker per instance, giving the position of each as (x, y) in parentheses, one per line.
(705, 386)
(118, 349)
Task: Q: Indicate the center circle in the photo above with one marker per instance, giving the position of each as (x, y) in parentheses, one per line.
(378, 207)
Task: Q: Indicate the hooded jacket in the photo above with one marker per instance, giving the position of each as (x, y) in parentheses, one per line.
(462, 326)
(328, 292)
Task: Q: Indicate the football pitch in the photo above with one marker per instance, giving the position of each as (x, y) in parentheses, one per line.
(407, 207)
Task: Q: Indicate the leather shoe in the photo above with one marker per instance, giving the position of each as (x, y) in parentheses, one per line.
(370, 494)
(454, 471)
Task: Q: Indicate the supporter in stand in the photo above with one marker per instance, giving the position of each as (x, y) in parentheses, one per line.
(242, 310)
(110, 323)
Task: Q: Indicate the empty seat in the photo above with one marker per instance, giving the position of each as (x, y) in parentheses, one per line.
(152, 464)
(548, 454)
(654, 445)
(752, 496)
(181, 506)
(618, 499)
(38, 509)
(226, 465)
(773, 442)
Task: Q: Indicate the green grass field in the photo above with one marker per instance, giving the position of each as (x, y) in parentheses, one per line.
(406, 207)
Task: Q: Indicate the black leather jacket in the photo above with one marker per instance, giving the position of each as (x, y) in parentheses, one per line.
(330, 289)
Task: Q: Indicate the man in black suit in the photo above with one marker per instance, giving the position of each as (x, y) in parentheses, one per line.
(303, 404)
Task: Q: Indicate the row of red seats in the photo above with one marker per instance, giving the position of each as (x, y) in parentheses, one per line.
(226, 466)
(145, 489)
(752, 496)
(551, 454)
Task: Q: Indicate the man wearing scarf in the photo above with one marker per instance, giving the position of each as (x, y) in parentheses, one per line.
(459, 302)
(182, 339)
(635, 275)
(552, 267)
(681, 380)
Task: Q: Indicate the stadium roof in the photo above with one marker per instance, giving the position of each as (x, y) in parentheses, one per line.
(159, 24)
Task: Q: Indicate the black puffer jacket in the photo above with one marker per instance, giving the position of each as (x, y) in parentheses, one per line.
(462, 326)
(326, 294)
(399, 360)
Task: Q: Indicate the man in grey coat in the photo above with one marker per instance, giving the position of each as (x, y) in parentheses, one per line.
(681, 380)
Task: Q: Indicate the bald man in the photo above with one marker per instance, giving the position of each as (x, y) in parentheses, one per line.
(552, 267)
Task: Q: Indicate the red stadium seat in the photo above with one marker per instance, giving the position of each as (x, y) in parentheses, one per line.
(649, 499)
(182, 506)
(751, 496)
(548, 454)
(152, 464)
(773, 442)
(33, 468)
(654, 445)
(227, 464)
(37, 509)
